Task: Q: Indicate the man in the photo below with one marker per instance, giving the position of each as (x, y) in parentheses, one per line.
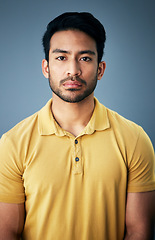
(76, 170)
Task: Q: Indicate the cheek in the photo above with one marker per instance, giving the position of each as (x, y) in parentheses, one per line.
(90, 72)
(57, 71)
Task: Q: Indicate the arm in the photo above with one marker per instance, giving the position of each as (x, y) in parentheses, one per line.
(11, 221)
(140, 216)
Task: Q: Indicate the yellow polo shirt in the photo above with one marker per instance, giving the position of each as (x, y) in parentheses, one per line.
(75, 188)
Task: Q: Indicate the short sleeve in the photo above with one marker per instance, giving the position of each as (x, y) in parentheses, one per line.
(11, 171)
(141, 169)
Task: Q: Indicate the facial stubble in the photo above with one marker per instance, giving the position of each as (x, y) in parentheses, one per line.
(73, 97)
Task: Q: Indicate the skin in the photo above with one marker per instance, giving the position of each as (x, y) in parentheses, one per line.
(140, 216)
(11, 221)
(77, 58)
(73, 76)
(75, 53)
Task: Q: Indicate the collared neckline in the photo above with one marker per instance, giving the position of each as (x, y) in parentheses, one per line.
(99, 120)
(48, 126)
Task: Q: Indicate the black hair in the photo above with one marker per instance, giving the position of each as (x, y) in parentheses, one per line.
(82, 21)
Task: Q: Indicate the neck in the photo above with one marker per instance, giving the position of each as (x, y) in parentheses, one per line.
(73, 117)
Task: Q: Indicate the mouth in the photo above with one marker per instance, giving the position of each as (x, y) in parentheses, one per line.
(72, 84)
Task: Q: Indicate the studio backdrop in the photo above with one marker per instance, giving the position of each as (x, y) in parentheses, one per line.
(128, 84)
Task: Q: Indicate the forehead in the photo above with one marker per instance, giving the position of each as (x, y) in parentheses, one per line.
(72, 39)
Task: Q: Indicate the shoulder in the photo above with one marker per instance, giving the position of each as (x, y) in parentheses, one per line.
(128, 130)
(118, 121)
(125, 131)
(29, 125)
(115, 120)
(23, 127)
(15, 142)
(138, 152)
(130, 137)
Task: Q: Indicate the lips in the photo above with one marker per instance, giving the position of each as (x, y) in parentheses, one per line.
(72, 84)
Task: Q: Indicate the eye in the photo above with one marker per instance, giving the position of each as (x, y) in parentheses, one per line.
(86, 59)
(61, 58)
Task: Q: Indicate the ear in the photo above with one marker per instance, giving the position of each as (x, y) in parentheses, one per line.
(45, 68)
(101, 69)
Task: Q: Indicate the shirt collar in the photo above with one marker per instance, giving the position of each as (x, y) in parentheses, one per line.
(48, 126)
(46, 123)
(99, 120)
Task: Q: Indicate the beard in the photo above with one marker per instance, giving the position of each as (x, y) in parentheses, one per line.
(75, 95)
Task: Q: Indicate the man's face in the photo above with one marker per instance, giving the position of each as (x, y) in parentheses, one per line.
(73, 69)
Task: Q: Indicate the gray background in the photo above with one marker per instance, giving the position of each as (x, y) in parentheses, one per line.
(128, 84)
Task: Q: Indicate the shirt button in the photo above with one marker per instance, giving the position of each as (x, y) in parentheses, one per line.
(76, 141)
(76, 159)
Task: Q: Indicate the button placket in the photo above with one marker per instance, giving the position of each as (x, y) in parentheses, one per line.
(77, 163)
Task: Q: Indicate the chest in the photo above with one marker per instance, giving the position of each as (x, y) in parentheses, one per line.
(54, 162)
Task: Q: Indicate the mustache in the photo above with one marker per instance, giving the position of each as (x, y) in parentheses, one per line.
(74, 78)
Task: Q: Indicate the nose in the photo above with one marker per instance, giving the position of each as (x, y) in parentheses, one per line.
(73, 68)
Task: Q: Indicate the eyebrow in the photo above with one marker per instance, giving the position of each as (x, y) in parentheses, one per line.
(57, 50)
